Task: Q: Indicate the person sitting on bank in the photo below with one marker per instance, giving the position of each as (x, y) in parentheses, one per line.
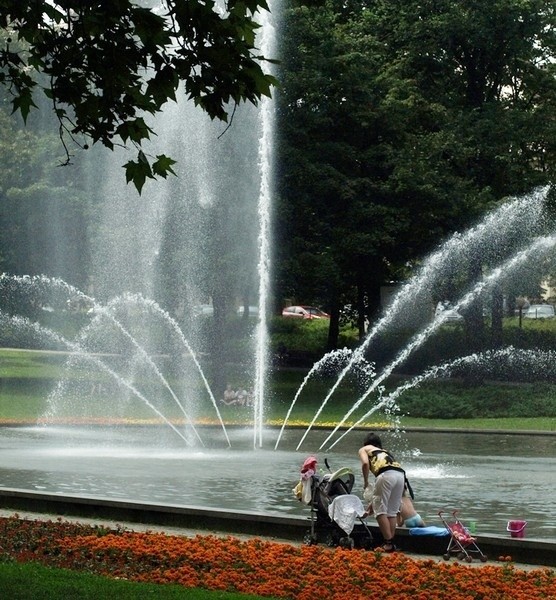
(230, 395)
(242, 397)
(250, 398)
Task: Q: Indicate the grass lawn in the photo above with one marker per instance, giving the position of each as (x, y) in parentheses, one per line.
(26, 377)
(26, 581)
(31, 364)
(544, 424)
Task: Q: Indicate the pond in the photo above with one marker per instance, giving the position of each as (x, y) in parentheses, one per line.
(489, 478)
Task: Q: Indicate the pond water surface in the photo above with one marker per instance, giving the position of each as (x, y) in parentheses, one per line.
(489, 478)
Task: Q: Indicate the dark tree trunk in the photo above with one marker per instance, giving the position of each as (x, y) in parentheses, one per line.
(373, 293)
(334, 329)
(361, 311)
(474, 322)
(497, 314)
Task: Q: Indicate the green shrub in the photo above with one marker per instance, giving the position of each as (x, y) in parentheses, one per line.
(300, 335)
(457, 400)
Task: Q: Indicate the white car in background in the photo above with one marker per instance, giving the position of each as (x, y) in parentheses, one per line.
(450, 315)
(304, 312)
(539, 311)
(203, 310)
(253, 311)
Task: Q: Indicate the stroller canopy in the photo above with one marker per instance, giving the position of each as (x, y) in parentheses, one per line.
(339, 482)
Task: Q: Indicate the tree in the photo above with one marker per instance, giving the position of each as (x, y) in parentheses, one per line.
(490, 67)
(331, 218)
(345, 136)
(105, 65)
(43, 216)
(405, 121)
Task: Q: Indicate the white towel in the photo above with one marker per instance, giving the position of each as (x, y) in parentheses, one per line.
(345, 509)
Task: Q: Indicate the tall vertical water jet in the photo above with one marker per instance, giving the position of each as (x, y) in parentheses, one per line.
(198, 245)
(266, 159)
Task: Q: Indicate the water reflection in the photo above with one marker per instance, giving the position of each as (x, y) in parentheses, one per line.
(489, 478)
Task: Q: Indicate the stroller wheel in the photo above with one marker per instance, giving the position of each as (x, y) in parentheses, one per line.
(347, 542)
(309, 539)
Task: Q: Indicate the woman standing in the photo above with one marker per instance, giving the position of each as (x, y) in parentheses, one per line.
(387, 494)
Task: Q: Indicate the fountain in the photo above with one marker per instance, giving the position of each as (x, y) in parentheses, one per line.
(201, 243)
(542, 245)
(197, 245)
(506, 232)
(93, 461)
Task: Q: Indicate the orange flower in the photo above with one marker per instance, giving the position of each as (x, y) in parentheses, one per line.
(264, 568)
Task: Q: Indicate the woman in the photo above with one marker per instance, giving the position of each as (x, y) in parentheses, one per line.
(389, 485)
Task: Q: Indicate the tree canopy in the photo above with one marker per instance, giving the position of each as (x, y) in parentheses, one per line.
(105, 65)
(401, 122)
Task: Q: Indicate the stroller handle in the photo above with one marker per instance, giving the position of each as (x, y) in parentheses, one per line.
(454, 513)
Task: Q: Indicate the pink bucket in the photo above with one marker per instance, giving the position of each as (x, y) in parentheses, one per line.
(517, 528)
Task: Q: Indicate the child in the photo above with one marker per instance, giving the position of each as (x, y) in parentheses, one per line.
(408, 516)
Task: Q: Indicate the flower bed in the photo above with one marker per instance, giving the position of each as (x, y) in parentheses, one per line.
(261, 567)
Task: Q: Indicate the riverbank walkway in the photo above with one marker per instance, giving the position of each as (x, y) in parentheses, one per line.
(191, 521)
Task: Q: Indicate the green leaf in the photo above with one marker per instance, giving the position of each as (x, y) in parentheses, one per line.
(163, 165)
(52, 13)
(138, 171)
(23, 103)
(164, 84)
(101, 64)
(136, 130)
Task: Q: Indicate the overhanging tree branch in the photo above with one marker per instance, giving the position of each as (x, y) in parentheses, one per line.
(110, 63)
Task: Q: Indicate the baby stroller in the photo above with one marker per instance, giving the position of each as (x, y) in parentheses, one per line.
(462, 543)
(334, 509)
